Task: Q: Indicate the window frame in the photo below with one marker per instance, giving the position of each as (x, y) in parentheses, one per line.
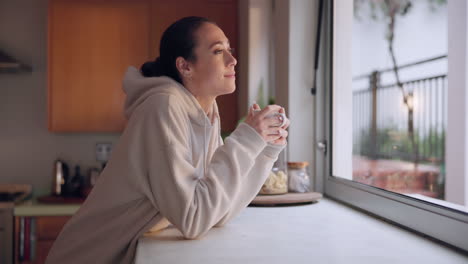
(446, 225)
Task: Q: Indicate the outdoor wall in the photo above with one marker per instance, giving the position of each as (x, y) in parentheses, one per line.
(420, 34)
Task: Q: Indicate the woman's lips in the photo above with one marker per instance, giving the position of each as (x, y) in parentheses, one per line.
(232, 75)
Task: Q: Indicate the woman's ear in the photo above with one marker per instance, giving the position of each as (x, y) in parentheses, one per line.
(183, 67)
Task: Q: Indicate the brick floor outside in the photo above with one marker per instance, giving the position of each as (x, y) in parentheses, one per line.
(398, 176)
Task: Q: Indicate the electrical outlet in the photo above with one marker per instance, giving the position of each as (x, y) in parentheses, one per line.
(103, 151)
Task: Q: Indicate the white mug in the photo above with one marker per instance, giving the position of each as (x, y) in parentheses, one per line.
(280, 116)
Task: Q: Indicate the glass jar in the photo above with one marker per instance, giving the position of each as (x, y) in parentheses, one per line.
(299, 180)
(277, 181)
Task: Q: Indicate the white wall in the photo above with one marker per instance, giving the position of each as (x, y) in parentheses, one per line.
(342, 119)
(259, 49)
(456, 180)
(303, 23)
(465, 163)
(282, 50)
(27, 148)
(464, 175)
(255, 60)
(295, 29)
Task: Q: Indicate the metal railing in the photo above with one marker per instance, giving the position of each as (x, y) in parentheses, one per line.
(380, 118)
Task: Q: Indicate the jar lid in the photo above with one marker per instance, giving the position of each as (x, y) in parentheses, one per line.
(298, 165)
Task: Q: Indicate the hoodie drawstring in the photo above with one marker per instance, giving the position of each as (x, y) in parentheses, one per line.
(204, 148)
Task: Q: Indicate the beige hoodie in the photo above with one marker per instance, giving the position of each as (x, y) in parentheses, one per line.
(170, 165)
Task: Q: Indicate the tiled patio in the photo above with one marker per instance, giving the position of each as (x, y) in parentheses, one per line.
(397, 176)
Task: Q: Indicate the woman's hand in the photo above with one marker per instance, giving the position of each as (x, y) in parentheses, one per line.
(269, 127)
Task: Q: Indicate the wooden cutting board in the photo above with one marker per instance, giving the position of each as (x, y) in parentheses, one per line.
(15, 192)
(286, 199)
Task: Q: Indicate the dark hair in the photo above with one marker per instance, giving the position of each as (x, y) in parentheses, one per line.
(177, 41)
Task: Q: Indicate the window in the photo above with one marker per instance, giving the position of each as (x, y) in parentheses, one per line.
(396, 119)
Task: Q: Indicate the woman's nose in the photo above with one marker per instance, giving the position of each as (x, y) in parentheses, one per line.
(231, 60)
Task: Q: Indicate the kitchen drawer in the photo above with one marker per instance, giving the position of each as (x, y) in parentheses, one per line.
(6, 235)
(44, 229)
(49, 227)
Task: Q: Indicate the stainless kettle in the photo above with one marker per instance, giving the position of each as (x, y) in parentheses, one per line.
(59, 178)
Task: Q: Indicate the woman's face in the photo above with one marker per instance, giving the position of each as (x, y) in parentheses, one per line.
(212, 73)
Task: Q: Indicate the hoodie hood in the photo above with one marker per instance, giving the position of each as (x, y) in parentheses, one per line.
(138, 88)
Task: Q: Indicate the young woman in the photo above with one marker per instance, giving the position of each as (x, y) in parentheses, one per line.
(170, 165)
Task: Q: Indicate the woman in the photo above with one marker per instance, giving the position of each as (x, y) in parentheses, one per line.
(170, 165)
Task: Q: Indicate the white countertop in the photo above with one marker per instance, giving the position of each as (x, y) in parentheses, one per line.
(31, 208)
(324, 232)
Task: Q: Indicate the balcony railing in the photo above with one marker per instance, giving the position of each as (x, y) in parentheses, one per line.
(381, 120)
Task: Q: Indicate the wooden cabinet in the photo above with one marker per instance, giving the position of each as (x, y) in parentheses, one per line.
(34, 237)
(91, 44)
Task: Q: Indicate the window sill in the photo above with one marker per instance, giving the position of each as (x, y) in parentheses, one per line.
(321, 233)
(440, 202)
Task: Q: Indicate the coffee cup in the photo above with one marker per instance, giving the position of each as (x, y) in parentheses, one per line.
(280, 116)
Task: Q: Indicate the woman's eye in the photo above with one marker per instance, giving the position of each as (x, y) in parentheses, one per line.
(220, 51)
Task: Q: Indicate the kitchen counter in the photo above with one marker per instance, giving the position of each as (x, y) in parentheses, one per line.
(324, 232)
(41, 209)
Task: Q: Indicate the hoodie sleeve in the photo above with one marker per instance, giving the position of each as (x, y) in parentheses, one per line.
(257, 176)
(190, 201)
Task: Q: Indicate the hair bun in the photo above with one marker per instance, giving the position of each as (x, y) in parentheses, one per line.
(151, 68)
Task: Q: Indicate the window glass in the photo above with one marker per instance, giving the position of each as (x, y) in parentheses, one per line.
(391, 104)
